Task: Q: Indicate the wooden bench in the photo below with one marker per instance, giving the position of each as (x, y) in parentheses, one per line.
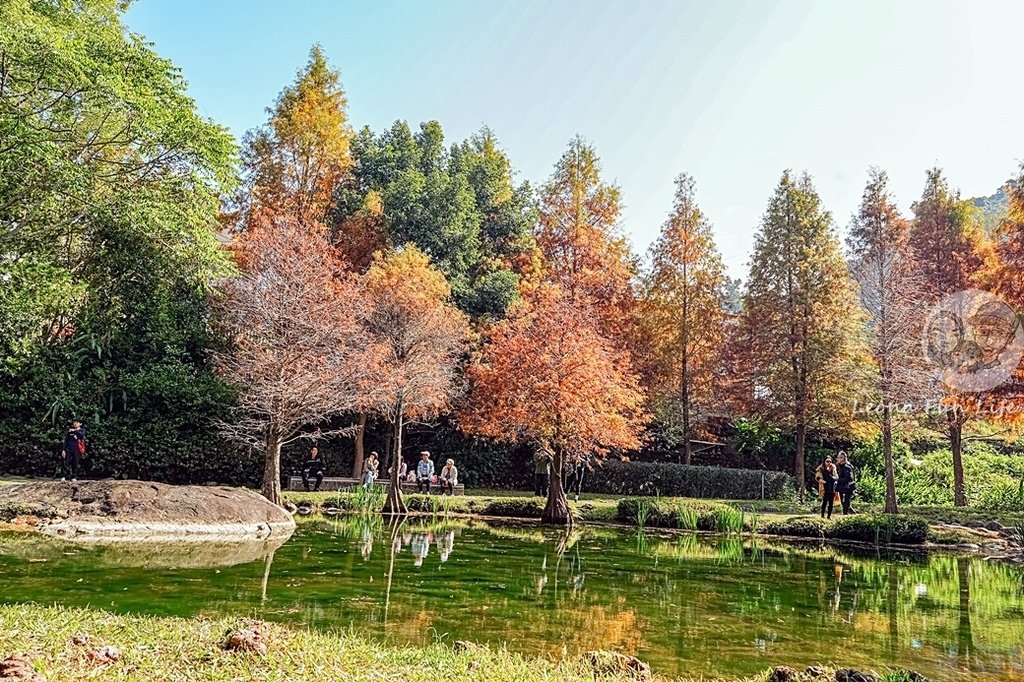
(334, 483)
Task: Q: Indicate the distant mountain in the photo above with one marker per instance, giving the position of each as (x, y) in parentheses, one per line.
(993, 208)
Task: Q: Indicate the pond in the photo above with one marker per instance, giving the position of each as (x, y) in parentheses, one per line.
(686, 604)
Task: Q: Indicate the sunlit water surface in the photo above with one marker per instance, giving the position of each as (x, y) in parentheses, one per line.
(686, 604)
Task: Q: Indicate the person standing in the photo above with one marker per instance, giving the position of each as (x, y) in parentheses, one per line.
(72, 451)
(449, 477)
(847, 482)
(576, 469)
(542, 460)
(370, 469)
(313, 468)
(424, 472)
(827, 475)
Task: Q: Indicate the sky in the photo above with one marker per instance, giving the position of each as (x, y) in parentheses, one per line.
(732, 92)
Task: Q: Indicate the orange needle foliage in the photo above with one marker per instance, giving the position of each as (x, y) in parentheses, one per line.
(299, 355)
(546, 374)
(422, 337)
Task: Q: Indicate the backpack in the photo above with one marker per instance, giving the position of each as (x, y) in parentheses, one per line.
(81, 446)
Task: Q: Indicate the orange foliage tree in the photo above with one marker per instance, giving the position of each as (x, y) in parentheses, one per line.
(683, 320)
(947, 243)
(299, 355)
(582, 252)
(1003, 275)
(546, 374)
(422, 337)
(296, 161)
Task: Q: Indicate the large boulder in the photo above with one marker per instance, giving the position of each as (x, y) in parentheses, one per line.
(145, 510)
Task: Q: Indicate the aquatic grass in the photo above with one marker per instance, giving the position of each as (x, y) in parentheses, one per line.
(687, 518)
(728, 520)
(643, 513)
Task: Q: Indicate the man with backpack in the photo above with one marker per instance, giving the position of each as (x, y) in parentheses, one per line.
(72, 451)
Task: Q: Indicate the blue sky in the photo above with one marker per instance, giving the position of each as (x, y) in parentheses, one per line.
(732, 92)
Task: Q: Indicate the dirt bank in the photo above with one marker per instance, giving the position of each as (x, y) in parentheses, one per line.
(140, 510)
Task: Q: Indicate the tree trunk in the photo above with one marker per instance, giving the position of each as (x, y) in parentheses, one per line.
(395, 504)
(557, 511)
(272, 471)
(956, 444)
(890, 473)
(798, 464)
(687, 450)
(357, 460)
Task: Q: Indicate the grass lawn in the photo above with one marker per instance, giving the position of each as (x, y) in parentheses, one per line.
(68, 645)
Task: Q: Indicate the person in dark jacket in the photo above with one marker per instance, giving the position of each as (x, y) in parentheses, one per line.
(847, 482)
(827, 475)
(72, 451)
(313, 468)
(575, 469)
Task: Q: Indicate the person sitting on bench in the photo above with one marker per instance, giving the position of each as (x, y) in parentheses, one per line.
(424, 472)
(314, 467)
(449, 477)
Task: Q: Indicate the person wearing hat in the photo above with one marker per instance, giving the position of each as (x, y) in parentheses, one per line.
(424, 472)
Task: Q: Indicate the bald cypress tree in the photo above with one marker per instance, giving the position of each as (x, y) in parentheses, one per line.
(806, 328)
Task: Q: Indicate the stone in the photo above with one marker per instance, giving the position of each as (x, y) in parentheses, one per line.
(974, 523)
(19, 667)
(851, 675)
(783, 673)
(248, 639)
(462, 646)
(995, 527)
(815, 672)
(613, 663)
(105, 655)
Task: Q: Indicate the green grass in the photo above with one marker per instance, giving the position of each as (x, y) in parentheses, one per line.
(171, 649)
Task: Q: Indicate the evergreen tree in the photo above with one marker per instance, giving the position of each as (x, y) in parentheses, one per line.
(805, 327)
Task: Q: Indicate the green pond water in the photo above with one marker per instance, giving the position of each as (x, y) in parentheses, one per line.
(686, 604)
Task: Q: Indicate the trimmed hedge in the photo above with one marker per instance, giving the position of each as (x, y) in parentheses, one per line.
(678, 480)
(874, 528)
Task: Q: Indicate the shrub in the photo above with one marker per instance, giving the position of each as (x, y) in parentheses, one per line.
(796, 526)
(647, 478)
(516, 507)
(880, 529)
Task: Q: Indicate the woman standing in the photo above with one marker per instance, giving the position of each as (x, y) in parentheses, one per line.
(827, 476)
(370, 470)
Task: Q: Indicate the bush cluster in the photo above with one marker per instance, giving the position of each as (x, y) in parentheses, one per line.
(657, 478)
(873, 528)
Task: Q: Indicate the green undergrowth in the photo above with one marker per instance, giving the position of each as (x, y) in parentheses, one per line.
(912, 528)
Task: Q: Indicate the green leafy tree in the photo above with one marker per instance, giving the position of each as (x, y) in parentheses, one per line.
(459, 205)
(801, 318)
(110, 182)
